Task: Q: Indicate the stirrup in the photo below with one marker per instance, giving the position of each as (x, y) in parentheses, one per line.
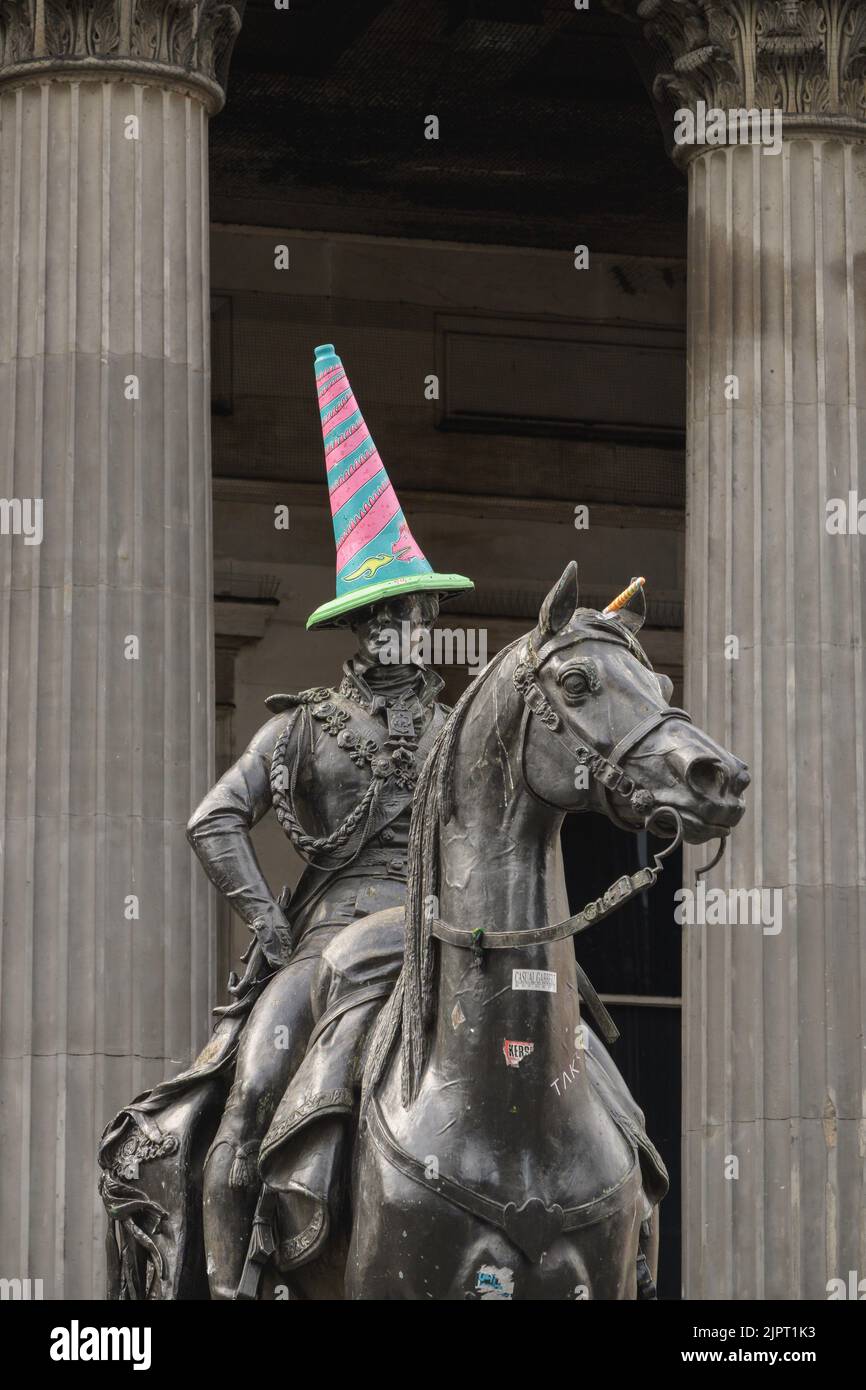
(646, 1288)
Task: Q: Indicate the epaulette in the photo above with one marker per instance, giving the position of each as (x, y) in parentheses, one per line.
(277, 703)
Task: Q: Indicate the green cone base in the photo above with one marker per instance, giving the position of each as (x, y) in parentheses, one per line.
(328, 613)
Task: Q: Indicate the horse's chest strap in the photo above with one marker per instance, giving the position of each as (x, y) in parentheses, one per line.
(533, 1226)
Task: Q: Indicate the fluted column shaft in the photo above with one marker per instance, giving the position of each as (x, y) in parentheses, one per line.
(106, 680)
(774, 1023)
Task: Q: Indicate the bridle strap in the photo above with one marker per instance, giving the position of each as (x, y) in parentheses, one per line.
(607, 771)
(646, 726)
(622, 891)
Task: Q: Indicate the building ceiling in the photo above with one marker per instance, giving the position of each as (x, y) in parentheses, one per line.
(547, 132)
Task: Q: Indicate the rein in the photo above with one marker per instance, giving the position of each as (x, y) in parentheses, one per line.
(610, 776)
(621, 891)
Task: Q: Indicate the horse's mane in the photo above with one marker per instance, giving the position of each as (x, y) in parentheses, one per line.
(408, 1013)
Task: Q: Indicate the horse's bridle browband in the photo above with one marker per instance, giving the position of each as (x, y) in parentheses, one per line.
(609, 774)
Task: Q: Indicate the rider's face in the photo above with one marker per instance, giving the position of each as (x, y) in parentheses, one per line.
(376, 629)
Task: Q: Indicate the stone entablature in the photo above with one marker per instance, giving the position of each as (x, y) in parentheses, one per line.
(185, 42)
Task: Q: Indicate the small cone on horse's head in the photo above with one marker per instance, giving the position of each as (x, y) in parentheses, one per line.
(622, 599)
(560, 605)
(377, 555)
(629, 607)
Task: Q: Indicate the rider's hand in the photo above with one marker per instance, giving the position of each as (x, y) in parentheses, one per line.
(274, 935)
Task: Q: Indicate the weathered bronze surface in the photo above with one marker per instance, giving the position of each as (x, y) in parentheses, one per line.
(500, 1154)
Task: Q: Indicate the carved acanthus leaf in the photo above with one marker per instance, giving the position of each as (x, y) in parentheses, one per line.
(16, 30)
(163, 31)
(87, 29)
(803, 57)
(190, 36)
(218, 29)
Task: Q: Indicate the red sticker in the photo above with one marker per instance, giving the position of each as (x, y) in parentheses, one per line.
(514, 1052)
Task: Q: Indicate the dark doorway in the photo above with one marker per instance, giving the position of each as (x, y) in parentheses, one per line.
(634, 960)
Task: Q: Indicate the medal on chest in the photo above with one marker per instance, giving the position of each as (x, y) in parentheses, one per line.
(396, 760)
(404, 718)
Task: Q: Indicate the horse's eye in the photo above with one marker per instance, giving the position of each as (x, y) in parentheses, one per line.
(575, 685)
(577, 682)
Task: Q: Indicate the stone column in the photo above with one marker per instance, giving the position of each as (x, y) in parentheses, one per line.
(106, 631)
(244, 606)
(774, 1128)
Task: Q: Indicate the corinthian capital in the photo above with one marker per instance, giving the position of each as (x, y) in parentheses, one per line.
(179, 42)
(805, 58)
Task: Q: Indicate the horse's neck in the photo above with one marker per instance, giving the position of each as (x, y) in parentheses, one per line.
(501, 869)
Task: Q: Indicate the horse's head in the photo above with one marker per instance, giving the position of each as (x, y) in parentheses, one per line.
(599, 733)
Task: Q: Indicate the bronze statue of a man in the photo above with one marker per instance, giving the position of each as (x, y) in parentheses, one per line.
(329, 748)
(339, 768)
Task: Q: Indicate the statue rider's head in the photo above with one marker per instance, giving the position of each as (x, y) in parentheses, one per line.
(392, 631)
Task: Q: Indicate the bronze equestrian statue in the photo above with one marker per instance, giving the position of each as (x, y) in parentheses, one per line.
(474, 1177)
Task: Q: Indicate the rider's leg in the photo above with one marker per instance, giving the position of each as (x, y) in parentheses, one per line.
(272, 1046)
(305, 1168)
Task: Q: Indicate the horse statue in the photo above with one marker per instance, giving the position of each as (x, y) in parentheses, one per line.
(477, 1173)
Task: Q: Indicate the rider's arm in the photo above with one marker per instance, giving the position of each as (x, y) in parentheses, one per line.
(219, 832)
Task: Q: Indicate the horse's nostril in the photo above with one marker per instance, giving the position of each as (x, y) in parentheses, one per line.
(707, 777)
(740, 781)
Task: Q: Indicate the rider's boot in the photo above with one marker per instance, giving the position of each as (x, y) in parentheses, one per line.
(231, 1189)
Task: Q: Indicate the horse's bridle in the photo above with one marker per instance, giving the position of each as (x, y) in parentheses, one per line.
(607, 771)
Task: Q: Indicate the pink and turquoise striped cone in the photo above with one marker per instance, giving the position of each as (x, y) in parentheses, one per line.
(377, 555)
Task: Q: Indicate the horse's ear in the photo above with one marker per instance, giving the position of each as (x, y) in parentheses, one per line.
(633, 615)
(558, 608)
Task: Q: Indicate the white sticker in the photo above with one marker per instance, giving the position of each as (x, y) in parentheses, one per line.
(545, 980)
(457, 1016)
